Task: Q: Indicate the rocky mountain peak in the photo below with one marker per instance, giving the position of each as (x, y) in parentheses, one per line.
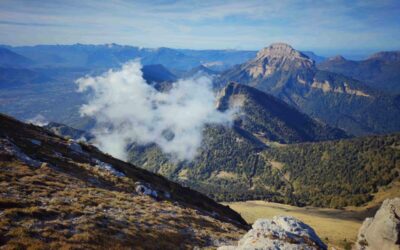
(280, 50)
(278, 57)
(337, 58)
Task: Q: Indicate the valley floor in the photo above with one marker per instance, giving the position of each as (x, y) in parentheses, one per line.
(335, 227)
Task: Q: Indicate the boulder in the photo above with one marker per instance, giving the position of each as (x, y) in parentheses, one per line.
(383, 230)
(280, 232)
(143, 189)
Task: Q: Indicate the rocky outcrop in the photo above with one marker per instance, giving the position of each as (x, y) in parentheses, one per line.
(277, 57)
(382, 231)
(280, 232)
(334, 92)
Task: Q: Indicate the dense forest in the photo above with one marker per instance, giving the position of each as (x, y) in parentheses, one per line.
(340, 173)
(326, 174)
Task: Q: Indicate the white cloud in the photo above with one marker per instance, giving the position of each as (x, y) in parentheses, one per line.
(128, 110)
(38, 120)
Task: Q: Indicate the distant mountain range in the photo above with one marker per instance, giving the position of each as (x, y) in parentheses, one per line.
(333, 98)
(113, 55)
(9, 58)
(380, 71)
(348, 99)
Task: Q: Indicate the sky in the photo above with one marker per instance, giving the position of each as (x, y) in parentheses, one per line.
(325, 26)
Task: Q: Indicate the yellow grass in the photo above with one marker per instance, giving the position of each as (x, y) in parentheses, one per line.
(390, 191)
(332, 225)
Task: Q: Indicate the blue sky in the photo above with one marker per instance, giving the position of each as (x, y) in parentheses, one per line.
(326, 27)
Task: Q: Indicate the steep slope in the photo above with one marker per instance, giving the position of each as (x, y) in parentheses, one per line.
(58, 193)
(229, 162)
(269, 118)
(157, 73)
(380, 71)
(66, 131)
(332, 98)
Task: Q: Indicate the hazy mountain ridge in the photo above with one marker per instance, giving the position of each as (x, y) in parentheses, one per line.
(113, 55)
(10, 59)
(380, 71)
(332, 98)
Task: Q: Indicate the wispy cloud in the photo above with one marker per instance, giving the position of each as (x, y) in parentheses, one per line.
(252, 24)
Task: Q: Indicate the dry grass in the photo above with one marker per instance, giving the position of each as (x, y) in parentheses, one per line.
(68, 203)
(332, 225)
(72, 214)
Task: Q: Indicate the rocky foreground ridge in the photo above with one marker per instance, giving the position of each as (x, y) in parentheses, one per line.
(383, 230)
(61, 194)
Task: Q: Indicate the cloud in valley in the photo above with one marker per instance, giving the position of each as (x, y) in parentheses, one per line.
(127, 110)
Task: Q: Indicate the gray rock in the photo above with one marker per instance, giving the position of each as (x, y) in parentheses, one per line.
(382, 231)
(142, 189)
(280, 232)
(9, 148)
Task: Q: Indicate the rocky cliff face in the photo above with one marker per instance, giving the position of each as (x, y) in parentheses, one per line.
(380, 71)
(277, 57)
(383, 230)
(280, 232)
(333, 98)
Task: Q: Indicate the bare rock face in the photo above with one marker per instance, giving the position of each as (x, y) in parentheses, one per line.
(382, 231)
(282, 232)
(278, 57)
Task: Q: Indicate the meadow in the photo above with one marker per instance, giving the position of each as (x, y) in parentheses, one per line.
(337, 228)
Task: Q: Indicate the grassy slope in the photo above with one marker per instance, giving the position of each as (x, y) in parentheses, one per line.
(67, 201)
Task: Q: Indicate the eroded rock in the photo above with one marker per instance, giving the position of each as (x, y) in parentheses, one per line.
(383, 230)
(280, 232)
